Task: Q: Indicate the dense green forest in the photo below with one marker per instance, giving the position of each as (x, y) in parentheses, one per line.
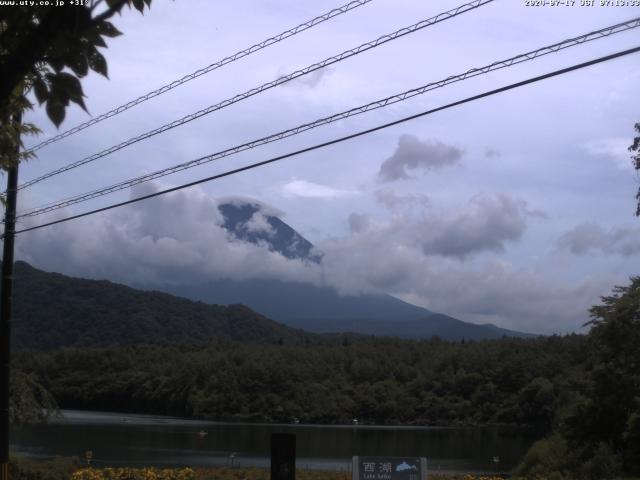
(53, 310)
(388, 381)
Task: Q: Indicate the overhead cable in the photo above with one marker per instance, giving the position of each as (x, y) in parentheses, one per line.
(214, 66)
(274, 83)
(341, 139)
(334, 118)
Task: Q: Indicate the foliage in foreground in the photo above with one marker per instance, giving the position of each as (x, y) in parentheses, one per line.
(228, 474)
(57, 469)
(598, 437)
(30, 402)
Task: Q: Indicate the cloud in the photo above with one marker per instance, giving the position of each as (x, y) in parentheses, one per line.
(258, 223)
(414, 154)
(486, 224)
(423, 255)
(490, 152)
(359, 222)
(588, 237)
(304, 188)
(488, 291)
(310, 80)
(173, 239)
(393, 201)
(614, 149)
(261, 206)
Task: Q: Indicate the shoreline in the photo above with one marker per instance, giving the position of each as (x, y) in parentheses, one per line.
(78, 416)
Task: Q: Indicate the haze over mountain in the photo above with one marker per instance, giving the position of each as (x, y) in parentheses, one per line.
(318, 308)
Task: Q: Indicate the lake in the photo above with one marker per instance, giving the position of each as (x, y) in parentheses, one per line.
(146, 440)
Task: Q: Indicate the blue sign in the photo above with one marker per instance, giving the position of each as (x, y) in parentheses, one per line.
(389, 468)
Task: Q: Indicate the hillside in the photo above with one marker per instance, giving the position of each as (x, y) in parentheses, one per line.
(53, 310)
(314, 308)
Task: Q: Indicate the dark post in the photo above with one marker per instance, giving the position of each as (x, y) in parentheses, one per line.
(283, 456)
(5, 308)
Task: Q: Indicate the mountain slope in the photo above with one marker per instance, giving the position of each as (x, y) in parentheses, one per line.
(247, 222)
(53, 310)
(319, 309)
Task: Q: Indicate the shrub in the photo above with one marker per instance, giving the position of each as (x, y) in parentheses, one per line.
(545, 457)
(21, 468)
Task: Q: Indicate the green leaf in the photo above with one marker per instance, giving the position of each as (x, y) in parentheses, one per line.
(94, 37)
(56, 63)
(114, 3)
(55, 111)
(98, 63)
(67, 87)
(139, 5)
(107, 29)
(79, 64)
(40, 90)
(67, 83)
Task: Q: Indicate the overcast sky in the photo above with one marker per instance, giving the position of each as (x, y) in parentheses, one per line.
(516, 209)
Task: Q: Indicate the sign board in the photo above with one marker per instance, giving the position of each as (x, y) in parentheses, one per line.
(389, 468)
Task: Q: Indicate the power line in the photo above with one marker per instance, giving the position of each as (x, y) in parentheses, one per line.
(617, 28)
(274, 83)
(345, 138)
(214, 66)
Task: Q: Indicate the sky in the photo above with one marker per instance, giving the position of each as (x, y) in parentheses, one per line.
(517, 209)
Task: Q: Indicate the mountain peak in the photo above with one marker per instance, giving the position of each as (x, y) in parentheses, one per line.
(251, 221)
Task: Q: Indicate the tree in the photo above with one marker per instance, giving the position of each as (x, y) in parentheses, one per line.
(606, 423)
(47, 49)
(30, 401)
(616, 393)
(635, 157)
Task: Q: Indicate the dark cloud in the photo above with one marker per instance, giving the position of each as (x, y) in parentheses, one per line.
(487, 224)
(359, 222)
(588, 237)
(490, 152)
(310, 80)
(414, 154)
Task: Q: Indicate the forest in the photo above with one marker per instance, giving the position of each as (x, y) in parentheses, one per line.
(382, 381)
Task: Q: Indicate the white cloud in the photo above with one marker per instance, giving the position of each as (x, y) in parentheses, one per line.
(613, 149)
(258, 223)
(176, 238)
(304, 188)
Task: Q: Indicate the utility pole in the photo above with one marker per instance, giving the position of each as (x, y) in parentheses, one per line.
(5, 298)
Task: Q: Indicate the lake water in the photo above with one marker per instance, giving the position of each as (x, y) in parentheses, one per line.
(145, 440)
